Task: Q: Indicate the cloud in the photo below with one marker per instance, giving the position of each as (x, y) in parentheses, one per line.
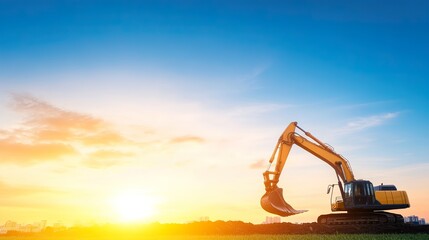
(43, 114)
(367, 122)
(21, 153)
(253, 75)
(50, 123)
(106, 158)
(7, 190)
(49, 133)
(103, 138)
(183, 163)
(184, 139)
(26, 197)
(259, 164)
(364, 105)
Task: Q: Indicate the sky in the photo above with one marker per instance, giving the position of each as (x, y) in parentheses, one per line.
(173, 108)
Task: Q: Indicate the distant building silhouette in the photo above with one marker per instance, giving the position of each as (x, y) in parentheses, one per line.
(204, 219)
(415, 220)
(270, 220)
(11, 226)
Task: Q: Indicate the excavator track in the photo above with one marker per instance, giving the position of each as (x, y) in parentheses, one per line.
(360, 218)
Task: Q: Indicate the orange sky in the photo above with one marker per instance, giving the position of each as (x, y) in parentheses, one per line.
(70, 166)
(179, 104)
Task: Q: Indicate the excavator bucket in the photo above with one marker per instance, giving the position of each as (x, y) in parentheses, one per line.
(273, 202)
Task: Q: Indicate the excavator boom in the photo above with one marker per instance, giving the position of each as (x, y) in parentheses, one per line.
(272, 201)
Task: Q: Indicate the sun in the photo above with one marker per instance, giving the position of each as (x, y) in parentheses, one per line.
(133, 206)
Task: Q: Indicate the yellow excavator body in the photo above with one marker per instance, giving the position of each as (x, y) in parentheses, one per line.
(392, 197)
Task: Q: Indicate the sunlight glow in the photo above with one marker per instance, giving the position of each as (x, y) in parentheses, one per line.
(133, 206)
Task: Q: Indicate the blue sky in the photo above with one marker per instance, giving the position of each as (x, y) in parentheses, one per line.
(366, 51)
(352, 73)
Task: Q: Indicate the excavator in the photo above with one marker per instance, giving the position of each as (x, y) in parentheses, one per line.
(360, 200)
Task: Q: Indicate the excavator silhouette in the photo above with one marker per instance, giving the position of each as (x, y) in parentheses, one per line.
(363, 202)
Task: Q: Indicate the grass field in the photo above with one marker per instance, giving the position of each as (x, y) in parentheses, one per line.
(243, 237)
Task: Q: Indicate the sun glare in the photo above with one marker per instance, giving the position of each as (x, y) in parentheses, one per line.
(133, 206)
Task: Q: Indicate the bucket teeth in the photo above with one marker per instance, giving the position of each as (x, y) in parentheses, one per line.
(273, 202)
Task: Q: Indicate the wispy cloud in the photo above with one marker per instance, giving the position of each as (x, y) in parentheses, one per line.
(367, 122)
(184, 139)
(106, 158)
(106, 137)
(50, 133)
(29, 153)
(259, 164)
(255, 73)
(10, 191)
(365, 104)
(45, 122)
(42, 114)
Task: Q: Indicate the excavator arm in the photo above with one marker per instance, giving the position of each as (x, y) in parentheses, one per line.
(272, 201)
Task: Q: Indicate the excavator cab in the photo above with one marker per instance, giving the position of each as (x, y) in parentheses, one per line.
(359, 195)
